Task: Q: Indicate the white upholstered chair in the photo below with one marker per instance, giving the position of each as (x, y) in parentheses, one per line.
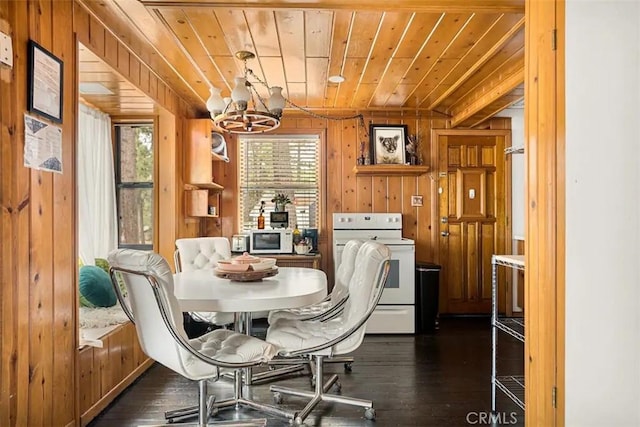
(153, 308)
(324, 310)
(340, 335)
(203, 253)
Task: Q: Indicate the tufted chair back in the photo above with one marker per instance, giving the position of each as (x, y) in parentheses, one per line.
(201, 253)
(155, 339)
(345, 271)
(365, 287)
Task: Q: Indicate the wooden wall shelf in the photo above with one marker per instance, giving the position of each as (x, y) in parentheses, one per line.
(208, 186)
(390, 170)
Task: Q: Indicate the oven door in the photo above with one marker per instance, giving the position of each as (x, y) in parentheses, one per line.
(400, 286)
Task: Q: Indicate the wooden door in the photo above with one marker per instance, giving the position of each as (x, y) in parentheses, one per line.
(471, 215)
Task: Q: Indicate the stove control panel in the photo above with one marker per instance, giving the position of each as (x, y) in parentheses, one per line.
(367, 221)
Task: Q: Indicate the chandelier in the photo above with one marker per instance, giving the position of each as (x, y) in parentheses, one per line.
(234, 114)
(247, 112)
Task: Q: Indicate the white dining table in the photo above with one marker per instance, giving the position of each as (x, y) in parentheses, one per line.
(202, 290)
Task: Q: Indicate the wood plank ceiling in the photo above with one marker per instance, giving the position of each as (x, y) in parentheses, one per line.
(96, 75)
(456, 58)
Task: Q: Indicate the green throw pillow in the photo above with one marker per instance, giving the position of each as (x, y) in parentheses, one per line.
(104, 264)
(95, 287)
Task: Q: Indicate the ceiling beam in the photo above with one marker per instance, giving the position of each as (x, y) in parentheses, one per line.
(475, 67)
(488, 96)
(500, 105)
(438, 6)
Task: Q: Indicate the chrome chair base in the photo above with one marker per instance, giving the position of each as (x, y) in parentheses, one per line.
(203, 411)
(320, 395)
(347, 361)
(239, 401)
(183, 414)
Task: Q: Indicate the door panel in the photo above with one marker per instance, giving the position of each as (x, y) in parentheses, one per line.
(472, 215)
(453, 275)
(470, 188)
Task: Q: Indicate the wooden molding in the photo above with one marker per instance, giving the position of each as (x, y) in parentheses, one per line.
(474, 68)
(451, 6)
(497, 106)
(504, 86)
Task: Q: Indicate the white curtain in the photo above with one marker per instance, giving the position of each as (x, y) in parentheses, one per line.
(97, 213)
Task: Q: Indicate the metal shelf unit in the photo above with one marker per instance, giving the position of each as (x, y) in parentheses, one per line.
(511, 385)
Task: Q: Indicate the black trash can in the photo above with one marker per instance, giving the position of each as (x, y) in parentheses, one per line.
(427, 293)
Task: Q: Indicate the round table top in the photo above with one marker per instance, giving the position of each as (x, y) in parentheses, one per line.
(201, 290)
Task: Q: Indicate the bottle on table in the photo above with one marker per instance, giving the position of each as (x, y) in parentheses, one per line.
(261, 216)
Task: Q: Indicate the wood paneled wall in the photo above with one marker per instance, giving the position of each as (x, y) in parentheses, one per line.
(38, 296)
(346, 192)
(38, 347)
(104, 372)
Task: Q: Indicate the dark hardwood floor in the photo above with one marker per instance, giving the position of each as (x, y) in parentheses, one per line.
(439, 379)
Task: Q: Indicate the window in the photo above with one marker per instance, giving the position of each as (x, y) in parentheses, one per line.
(288, 164)
(134, 185)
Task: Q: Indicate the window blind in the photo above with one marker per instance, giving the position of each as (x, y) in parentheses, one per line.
(279, 164)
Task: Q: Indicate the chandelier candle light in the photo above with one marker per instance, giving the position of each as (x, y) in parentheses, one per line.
(246, 112)
(234, 115)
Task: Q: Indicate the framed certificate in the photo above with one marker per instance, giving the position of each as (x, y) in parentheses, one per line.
(44, 83)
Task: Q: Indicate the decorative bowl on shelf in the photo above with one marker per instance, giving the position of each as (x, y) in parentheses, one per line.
(246, 276)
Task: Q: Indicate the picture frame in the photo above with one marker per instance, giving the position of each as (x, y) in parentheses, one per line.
(388, 144)
(44, 83)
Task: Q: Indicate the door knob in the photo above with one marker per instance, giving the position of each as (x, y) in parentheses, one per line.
(444, 233)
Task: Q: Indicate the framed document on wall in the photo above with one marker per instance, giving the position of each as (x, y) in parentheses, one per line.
(44, 83)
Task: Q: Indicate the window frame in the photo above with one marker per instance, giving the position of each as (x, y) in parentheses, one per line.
(117, 123)
(322, 159)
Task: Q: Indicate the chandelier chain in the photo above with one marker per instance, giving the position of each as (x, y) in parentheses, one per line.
(311, 113)
(234, 115)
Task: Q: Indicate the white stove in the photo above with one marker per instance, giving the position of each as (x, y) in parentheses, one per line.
(395, 312)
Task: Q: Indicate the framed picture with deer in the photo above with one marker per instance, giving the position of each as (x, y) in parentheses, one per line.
(388, 144)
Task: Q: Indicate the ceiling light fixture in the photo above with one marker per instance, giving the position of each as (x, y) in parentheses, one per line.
(247, 112)
(336, 79)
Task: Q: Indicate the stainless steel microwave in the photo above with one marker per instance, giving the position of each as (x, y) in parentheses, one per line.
(276, 241)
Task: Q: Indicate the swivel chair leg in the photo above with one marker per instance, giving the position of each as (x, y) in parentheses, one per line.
(206, 405)
(320, 395)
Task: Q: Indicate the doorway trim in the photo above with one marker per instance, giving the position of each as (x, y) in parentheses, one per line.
(545, 212)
